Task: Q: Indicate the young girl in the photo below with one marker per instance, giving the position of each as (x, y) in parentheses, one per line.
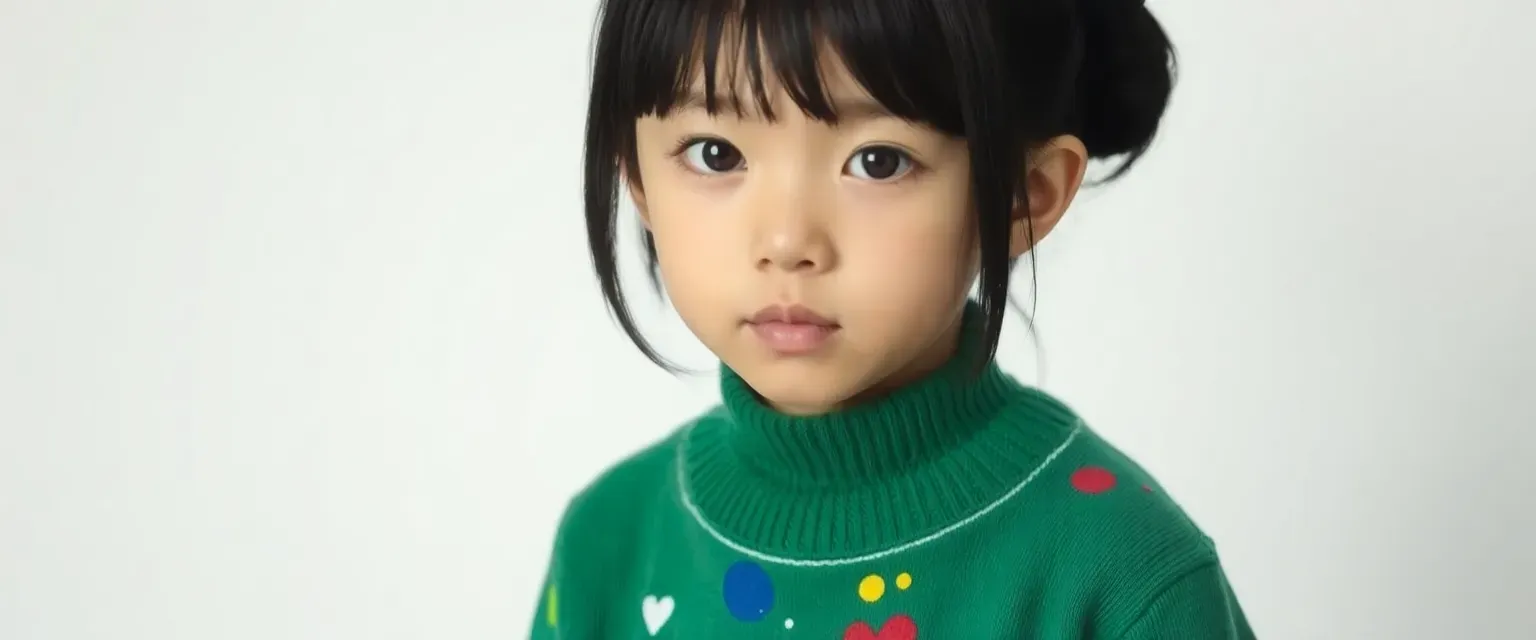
(822, 184)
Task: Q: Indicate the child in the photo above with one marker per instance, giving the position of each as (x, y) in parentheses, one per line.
(822, 184)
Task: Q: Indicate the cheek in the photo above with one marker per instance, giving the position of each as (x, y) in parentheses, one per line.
(910, 273)
(696, 243)
(919, 253)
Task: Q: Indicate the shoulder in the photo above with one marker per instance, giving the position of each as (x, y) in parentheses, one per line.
(1111, 497)
(619, 492)
(600, 536)
(1121, 527)
(622, 496)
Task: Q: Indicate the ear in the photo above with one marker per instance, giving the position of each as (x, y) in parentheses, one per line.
(1052, 178)
(637, 195)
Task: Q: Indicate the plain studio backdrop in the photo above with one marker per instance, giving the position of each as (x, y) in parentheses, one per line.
(298, 336)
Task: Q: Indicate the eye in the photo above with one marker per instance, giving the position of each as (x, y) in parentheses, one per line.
(711, 156)
(879, 163)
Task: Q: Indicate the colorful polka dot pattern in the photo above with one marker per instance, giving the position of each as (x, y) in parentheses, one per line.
(899, 627)
(871, 588)
(1092, 480)
(748, 591)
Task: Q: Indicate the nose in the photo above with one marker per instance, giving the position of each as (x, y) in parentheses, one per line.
(793, 235)
(794, 252)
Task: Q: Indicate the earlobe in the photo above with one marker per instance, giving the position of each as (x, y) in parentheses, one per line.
(1052, 179)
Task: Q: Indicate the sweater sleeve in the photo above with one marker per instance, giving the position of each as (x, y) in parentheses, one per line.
(546, 617)
(549, 621)
(1198, 606)
(567, 596)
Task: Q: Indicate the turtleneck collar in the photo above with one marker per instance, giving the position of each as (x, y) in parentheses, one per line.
(884, 437)
(875, 474)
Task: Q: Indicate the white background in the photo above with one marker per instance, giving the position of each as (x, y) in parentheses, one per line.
(298, 337)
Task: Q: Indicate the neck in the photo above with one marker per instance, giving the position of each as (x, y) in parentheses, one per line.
(878, 436)
(930, 452)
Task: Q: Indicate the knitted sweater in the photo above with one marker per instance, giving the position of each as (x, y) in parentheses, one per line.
(959, 508)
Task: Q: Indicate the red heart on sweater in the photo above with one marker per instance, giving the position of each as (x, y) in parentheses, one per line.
(898, 627)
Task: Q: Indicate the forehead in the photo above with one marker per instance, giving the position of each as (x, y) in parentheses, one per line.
(825, 58)
(735, 90)
(756, 79)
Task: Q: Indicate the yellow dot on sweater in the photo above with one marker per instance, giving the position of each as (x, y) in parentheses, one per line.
(871, 588)
(904, 581)
(552, 607)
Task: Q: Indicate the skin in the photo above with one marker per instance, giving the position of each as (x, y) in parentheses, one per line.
(806, 218)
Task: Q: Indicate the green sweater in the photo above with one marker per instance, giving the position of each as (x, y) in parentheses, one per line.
(960, 508)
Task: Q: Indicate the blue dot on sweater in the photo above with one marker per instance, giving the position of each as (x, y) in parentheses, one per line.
(748, 591)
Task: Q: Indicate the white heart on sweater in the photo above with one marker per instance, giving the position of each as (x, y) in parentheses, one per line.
(656, 612)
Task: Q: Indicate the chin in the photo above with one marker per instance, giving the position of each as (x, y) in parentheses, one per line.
(806, 389)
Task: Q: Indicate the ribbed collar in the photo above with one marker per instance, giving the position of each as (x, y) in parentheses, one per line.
(875, 475)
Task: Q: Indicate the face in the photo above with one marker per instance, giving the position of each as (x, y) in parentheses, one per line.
(821, 263)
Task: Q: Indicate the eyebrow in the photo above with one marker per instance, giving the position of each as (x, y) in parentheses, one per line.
(846, 108)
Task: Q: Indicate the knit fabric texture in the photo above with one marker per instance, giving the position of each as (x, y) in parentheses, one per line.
(962, 507)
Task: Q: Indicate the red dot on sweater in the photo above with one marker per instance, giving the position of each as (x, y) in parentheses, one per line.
(1093, 480)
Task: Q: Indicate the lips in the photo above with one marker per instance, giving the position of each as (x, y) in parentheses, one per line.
(792, 330)
(795, 314)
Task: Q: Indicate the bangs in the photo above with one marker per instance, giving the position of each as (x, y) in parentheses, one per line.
(741, 52)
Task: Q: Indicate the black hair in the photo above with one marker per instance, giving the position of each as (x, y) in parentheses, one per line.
(1006, 75)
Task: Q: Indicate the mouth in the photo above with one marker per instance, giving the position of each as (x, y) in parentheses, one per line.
(793, 330)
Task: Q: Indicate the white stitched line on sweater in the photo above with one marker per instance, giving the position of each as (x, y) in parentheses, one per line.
(693, 509)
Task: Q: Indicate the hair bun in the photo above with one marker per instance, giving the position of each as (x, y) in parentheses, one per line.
(1126, 75)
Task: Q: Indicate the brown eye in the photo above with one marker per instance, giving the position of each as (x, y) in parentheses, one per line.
(712, 156)
(879, 163)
